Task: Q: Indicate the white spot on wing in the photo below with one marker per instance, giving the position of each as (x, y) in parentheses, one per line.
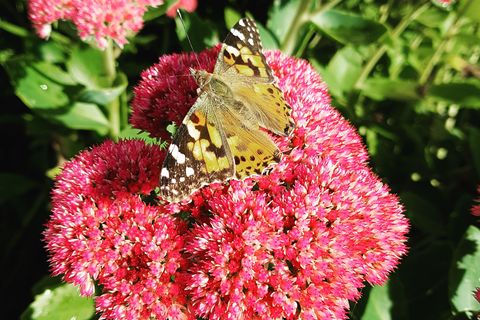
(233, 51)
(176, 154)
(165, 173)
(174, 180)
(189, 171)
(194, 133)
(238, 34)
(242, 23)
(182, 179)
(250, 40)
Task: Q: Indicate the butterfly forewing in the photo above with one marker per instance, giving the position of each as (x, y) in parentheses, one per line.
(198, 155)
(220, 138)
(241, 54)
(251, 79)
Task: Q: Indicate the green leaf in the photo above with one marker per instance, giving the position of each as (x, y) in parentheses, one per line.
(371, 138)
(464, 276)
(231, 17)
(434, 17)
(105, 95)
(384, 88)
(172, 129)
(84, 116)
(347, 28)
(55, 73)
(132, 133)
(62, 302)
(281, 16)
(466, 94)
(422, 213)
(52, 52)
(201, 32)
(268, 38)
(472, 9)
(35, 88)
(473, 140)
(379, 304)
(345, 67)
(156, 12)
(86, 66)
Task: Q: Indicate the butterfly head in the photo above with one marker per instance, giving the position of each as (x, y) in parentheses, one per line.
(208, 82)
(202, 77)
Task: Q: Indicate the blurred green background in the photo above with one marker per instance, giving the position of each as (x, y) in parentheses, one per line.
(405, 73)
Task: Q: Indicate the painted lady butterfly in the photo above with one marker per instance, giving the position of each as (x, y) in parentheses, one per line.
(220, 137)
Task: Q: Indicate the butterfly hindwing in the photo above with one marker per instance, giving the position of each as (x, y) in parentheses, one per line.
(252, 150)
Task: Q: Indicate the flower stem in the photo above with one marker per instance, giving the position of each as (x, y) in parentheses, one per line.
(301, 16)
(383, 48)
(109, 63)
(326, 7)
(113, 107)
(13, 29)
(437, 55)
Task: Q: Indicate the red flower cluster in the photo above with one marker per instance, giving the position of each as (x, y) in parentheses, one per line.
(100, 19)
(299, 242)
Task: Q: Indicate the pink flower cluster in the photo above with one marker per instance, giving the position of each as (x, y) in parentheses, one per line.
(299, 242)
(444, 3)
(100, 19)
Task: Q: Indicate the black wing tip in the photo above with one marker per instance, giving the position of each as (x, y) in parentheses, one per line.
(246, 22)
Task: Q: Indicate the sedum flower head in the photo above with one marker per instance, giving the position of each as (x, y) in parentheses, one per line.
(97, 19)
(298, 242)
(101, 231)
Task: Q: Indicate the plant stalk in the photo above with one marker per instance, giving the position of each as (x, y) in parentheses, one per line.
(383, 48)
(301, 16)
(113, 107)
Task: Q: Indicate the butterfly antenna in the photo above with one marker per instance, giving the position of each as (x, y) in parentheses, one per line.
(188, 38)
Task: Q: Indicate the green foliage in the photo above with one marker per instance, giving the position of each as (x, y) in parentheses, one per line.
(464, 273)
(59, 302)
(406, 73)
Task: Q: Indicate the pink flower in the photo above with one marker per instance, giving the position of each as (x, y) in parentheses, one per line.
(102, 232)
(444, 3)
(188, 5)
(476, 208)
(298, 242)
(98, 19)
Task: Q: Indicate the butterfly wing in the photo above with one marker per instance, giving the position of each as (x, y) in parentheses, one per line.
(244, 68)
(220, 137)
(198, 155)
(214, 143)
(252, 150)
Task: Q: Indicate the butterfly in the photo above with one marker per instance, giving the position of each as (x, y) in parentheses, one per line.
(220, 137)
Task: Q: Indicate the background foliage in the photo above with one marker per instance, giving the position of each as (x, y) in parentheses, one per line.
(405, 73)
